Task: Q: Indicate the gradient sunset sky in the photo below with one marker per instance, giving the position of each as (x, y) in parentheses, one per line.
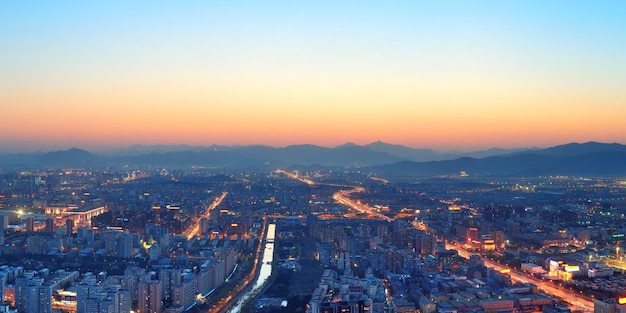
(433, 74)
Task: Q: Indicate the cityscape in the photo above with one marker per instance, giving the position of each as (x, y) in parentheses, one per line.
(348, 156)
(307, 239)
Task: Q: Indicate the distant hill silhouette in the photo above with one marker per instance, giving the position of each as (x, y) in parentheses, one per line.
(72, 158)
(590, 158)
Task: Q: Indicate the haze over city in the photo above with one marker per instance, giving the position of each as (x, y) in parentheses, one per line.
(312, 156)
(441, 75)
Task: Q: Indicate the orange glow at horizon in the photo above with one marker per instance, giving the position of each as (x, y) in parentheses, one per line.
(466, 76)
(106, 118)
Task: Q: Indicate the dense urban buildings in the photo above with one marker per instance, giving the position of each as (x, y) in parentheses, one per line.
(179, 240)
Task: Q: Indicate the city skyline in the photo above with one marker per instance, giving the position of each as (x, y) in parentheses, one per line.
(446, 75)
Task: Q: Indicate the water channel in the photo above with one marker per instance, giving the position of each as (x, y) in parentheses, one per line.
(264, 273)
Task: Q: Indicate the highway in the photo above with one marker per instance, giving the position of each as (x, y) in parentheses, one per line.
(193, 230)
(296, 176)
(577, 301)
(342, 198)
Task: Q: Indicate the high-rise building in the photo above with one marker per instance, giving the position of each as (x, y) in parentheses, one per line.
(30, 224)
(204, 226)
(50, 226)
(85, 235)
(31, 295)
(123, 245)
(92, 297)
(425, 244)
(69, 226)
(184, 294)
(170, 278)
(4, 222)
(149, 296)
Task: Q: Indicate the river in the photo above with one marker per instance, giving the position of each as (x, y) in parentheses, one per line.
(264, 273)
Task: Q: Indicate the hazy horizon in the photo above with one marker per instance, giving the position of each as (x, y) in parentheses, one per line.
(184, 146)
(441, 75)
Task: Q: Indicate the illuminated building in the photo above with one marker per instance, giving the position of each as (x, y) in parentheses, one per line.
(34, 295)
(63, 300)
(488, 244)
(8, 295)
(454, 208)
(562, 271)
(473, 238)
(498, 238)
(81, 216)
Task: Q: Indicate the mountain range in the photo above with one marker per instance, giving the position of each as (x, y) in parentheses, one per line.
(591, 158)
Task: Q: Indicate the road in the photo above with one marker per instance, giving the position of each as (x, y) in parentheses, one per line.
(193, 230)
(297, 177)
(342, 198)
(233, 295)
(578, 302)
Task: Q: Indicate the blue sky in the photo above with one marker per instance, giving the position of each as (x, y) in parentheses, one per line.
(540, 72)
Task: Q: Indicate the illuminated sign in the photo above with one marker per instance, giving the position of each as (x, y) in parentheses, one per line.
(504, 271)
(621, 300)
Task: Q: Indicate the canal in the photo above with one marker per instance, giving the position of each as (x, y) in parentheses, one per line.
(264, 273)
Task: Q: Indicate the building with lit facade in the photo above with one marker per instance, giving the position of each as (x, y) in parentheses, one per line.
(562, 271)
(81, 216)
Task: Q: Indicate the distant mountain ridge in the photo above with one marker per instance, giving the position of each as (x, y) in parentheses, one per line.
(591, 158)
(573, 158)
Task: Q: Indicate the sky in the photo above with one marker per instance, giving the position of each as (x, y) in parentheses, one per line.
(465, 75)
